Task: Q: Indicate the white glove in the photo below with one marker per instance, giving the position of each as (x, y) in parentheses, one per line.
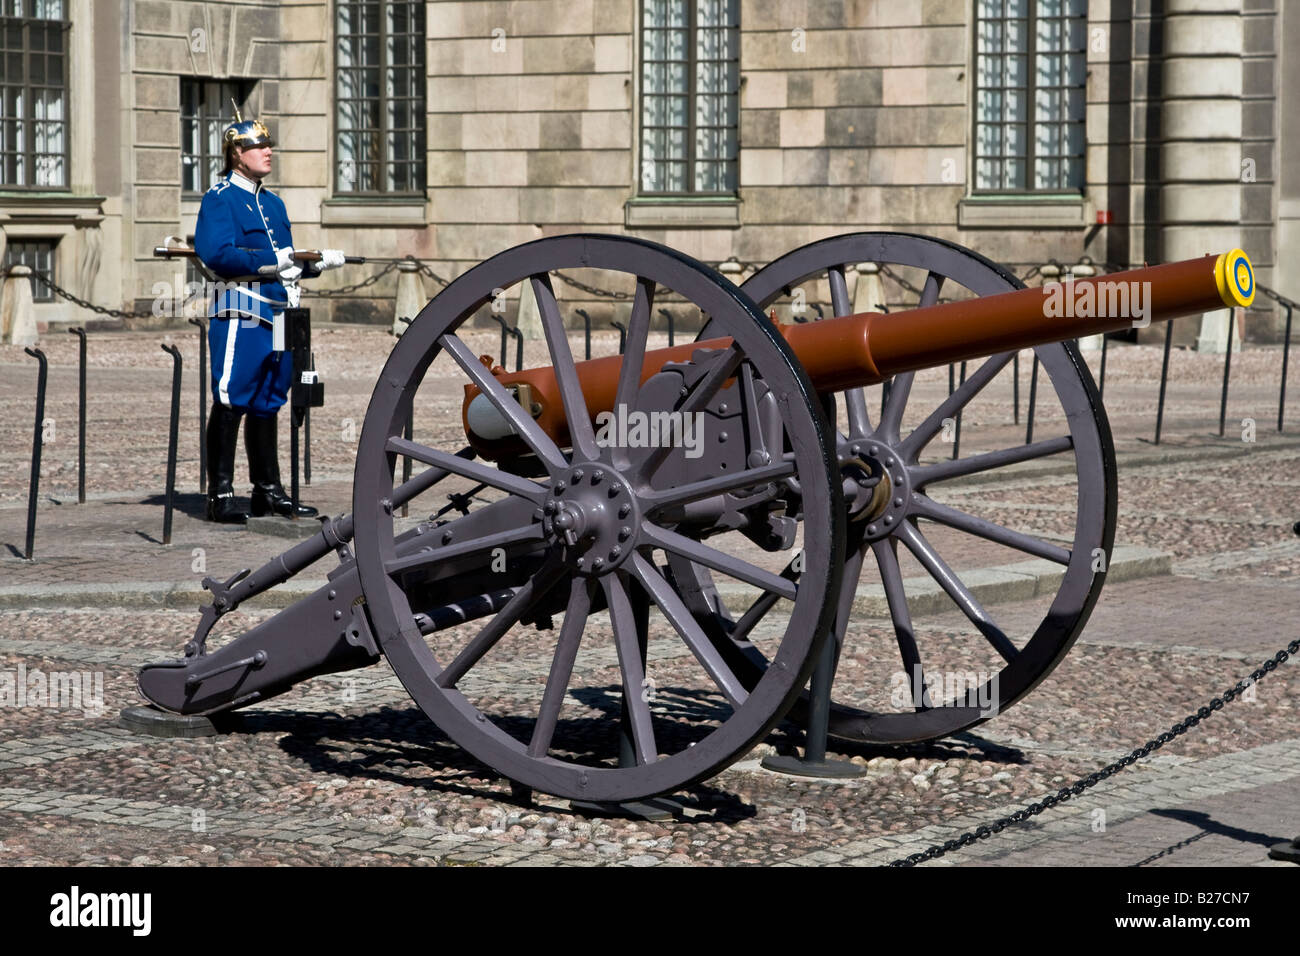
(330, 259)
(286, 266)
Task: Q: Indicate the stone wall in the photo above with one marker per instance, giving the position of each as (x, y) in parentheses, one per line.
(854, 115)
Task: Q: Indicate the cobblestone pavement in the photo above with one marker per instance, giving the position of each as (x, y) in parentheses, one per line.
(345, 769)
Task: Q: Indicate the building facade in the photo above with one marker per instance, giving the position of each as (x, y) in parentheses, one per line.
(1116, 131)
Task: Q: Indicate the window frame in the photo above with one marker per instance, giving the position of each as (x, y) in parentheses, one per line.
(42, 293)
(28, 120)
(732, 96)
(418, 103)
(244, 90)
(1030, 155)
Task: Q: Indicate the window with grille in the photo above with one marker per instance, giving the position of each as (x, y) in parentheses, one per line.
(33, 94)
(38, 254)
(690, 82)
(1031, 71)
(206, 111)
(379, 97)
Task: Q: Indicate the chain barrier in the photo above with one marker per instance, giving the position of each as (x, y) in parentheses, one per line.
(77, 300)
(1065, 793)
(344, 290)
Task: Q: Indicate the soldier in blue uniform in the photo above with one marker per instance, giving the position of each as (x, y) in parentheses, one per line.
(242, 227)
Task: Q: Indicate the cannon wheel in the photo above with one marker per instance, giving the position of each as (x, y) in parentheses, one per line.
(881, 445)
(519, 745)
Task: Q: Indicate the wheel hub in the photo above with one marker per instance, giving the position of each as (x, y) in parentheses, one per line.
(591, 514)
(887, 506)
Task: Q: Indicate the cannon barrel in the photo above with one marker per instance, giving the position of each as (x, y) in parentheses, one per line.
(870, 347)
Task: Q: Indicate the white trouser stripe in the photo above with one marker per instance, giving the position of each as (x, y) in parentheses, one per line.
(232, 327)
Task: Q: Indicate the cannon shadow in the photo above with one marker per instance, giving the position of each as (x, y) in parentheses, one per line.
(402, 746)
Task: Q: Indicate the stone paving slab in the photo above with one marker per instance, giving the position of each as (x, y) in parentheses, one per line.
(344, 769)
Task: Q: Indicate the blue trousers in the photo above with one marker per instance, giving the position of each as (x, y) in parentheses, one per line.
(246, 374)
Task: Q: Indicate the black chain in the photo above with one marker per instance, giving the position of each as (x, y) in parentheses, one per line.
(430, 273)
(669, 294)
(1065, 793)
(77, 300)
(590, 289)
(426, 270)
(344, 290)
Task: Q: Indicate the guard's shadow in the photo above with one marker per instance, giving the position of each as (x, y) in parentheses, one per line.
(1208, 826)
(189, 503)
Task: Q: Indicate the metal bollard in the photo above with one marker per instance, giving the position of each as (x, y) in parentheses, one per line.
(172, 437)
(409, 434)
(956, 436)
(203, 402)
(306, 441)
(668, 317)
(1015, 389)
(1227, 369)
(519, 349)
(1033, 395)
(1164, 379)
(1286, 349)
(505, 331)
(586, 326)
(81, 415)
(622, 336)
(33, 487)
(1101, 375)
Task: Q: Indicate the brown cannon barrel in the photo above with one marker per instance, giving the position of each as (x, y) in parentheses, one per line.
(865, 349)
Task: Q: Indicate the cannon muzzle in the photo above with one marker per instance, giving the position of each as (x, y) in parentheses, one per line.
(870, 347)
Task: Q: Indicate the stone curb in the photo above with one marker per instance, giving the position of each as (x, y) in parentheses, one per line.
(143, 595)
(994, 585)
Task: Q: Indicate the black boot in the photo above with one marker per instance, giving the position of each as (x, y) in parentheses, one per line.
(264, 471)
(222, 438)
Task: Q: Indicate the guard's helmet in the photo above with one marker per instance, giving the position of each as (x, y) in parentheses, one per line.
(243, 134)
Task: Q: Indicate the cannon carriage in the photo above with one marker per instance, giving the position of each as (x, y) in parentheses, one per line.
(704, 513)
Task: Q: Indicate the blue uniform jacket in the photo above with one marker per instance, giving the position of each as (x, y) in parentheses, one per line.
(240, 226)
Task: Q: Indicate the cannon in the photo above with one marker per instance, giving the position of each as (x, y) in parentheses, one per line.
(703, 512)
